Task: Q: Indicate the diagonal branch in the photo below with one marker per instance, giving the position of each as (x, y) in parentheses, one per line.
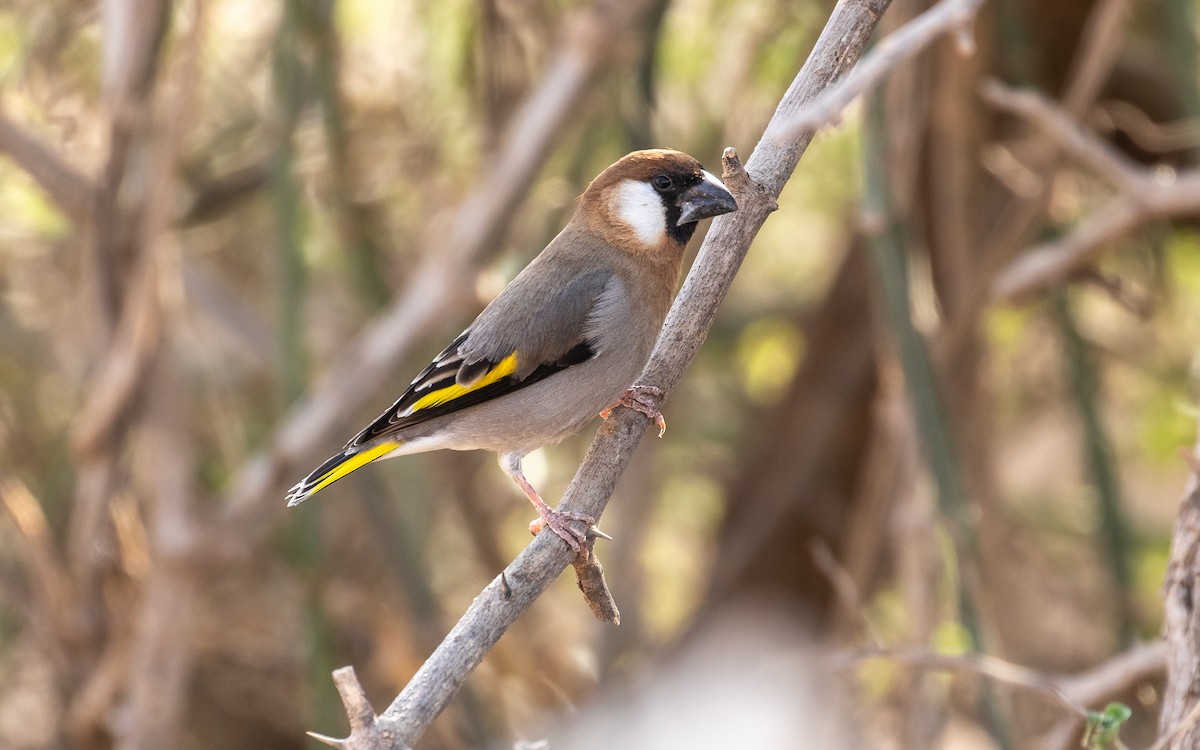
(756, 187)
(1143, 195)
(71, 190)
(905, 43)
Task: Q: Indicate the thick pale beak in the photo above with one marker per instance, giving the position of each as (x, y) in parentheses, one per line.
(705, 200)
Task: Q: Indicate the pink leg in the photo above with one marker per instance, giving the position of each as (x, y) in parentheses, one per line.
(557, 521)
(638, 399)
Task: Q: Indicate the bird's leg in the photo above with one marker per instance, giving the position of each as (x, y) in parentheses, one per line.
(557, 521)
(638, 399)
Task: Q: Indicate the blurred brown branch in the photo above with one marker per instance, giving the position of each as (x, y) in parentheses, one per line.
(72, 190)
(757, 188)
(156, 700)
(1143, 195)
(1075, 692)
(52, 585)
(1016, 222)
(1106, 682)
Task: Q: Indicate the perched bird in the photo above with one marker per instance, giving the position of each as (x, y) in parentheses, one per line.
(563, 341)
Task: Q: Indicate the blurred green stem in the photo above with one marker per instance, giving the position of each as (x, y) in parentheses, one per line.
(638, 119)
(888, 259)
(1098, 453)
(289, 101)
(1180, 30)
(352, 221)
(888, 255)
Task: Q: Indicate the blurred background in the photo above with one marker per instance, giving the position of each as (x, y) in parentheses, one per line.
(231, 231)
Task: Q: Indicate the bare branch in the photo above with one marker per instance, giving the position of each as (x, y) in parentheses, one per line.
(1181, 619)
(1069, 134)
(905, 43)
(1105, 682)
(71, 190)
(122, 372)
(1143, 196)
(756, 187)
(973, 663)
(1147, 661)
(160, 662)
(364, 732)
(1094, 59)
(1104, 36)
(1074, 693)
(51, 585)
(589, 575)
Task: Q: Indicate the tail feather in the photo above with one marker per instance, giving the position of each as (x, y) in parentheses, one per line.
(335, 468)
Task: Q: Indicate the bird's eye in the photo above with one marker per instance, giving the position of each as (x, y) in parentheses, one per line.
(662, 181)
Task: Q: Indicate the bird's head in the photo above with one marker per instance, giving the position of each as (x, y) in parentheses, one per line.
(650, 200)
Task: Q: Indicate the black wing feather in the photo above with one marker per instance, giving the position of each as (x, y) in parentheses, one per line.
(437, 375)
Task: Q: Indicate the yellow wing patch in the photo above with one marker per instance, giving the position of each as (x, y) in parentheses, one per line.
(503, 368)
(353, 463)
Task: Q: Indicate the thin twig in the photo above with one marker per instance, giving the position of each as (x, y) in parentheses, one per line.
(50, 584)
(905, 43)
(589, 576)
(1143, 195)
(756, 188)
(364, 732)
(72, 190)
(1142, 663)
(161, 661)
(1075, 693)
(1066, 132)
(974, 663)
(843, 585)
(1019, 219)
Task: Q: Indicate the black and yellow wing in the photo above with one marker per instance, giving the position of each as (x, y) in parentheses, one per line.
(511, 345)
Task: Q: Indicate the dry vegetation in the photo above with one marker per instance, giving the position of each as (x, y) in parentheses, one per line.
(920, 484)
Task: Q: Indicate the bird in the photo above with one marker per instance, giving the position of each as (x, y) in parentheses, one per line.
(562, 342)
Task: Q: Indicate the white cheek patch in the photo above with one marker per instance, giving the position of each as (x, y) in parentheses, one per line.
(641, 209)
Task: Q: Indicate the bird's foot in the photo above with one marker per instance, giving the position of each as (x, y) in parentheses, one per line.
(559, 521)
(639, 398)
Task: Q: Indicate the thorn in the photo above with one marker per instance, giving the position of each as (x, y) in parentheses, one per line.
(331, 741)
(594, 533)
(505, 589)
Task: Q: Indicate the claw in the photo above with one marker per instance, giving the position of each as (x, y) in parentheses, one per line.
(636, 398)
(558, 521)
